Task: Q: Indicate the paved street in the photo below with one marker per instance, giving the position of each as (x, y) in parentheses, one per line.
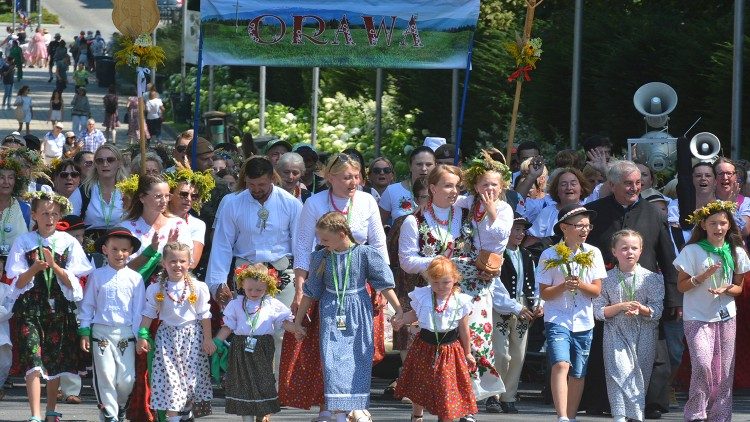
(77, 15)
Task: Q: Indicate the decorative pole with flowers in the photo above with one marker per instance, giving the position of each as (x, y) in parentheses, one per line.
(136, 20)
(526, 51)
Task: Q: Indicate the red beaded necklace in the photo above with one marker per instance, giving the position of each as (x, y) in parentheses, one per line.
(447, 300)
(431, 210)
(333, 204)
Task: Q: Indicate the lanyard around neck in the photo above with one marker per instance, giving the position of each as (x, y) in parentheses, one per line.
(49, 272)
(252, 319)
(107, 216)
(341, 294)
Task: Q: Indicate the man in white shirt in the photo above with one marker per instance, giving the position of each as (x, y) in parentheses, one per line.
(255, 225)
(53, 143)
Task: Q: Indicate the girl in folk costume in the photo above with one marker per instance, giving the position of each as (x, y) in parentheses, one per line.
(569, 277)
(436, 371)
(180, 373)
(337, 281)
(45, 266)
(300, 373)
(711, 268)
(630, 304)
(111, 313)
(445, 229)
(250, 386)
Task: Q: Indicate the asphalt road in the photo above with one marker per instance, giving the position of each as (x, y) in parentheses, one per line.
(77, 15)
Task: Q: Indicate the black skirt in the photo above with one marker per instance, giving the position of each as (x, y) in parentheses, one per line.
(250, 384)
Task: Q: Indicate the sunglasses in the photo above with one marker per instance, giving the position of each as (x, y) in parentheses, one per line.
(186, 195)
(102, 160)
(88, 163)
(382, 170)
(181, 148)
(71, 174)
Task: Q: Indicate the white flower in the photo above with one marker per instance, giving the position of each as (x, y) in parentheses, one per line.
(356, 131)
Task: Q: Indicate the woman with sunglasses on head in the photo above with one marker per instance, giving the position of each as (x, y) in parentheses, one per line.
(300, 380)
(98, 201)
(397, 199)
(66, 178)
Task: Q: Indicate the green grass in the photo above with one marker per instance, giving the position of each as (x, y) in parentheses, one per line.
(47, 17)
(437, 47)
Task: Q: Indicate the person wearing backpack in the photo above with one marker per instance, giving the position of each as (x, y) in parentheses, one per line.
(111, 120)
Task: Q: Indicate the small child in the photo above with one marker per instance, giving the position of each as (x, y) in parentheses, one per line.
(252, 318)
(180, 376)
(515, 307)
(110, 317)
(710, 271)
(435, 374)
(6, 347)
(630, 304)
(45, 266)
(337, 279)
(569, 277)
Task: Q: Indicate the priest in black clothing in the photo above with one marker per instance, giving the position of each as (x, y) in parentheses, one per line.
(624, 209)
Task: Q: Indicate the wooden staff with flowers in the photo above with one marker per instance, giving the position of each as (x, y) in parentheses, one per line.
(526, 52)
(136, 20)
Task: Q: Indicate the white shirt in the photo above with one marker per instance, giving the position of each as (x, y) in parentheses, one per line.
(271, 314)
(532, 207)
(114, 298)
(197, 229)
(6, 312)
(144, 232)
(99, 214)
(397, 200)
(53, 145)
(364, 221)
(545, 222)
(237, 233)
(458, 307)
(59, 242)
(572, 311)
(491, 237)
(175, 314)
(153, 108)
(698, 304)
(410, 257)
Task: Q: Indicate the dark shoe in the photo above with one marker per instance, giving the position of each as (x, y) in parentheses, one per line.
(653, 414)
(493, 405)
(509, 407)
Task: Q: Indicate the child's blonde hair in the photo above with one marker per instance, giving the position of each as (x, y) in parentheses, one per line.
(441, 267)
(176, 247)
(333, 222)
(621, 234)
(260, 273)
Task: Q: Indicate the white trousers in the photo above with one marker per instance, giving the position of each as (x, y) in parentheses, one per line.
(70, 385)
(114, 367)
(6, 360)
(509, 339)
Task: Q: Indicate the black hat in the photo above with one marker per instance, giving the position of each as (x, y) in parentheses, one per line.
(569, 211)
(518, 218)
(70, 222)
(445, 152)
(117, 232)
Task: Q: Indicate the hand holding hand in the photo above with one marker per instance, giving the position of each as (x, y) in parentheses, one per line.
(142, 346)
(397, 321)
(208, 346)
(526, 314)
(471, 362)
(85, 344)
(539, 312)
(223, 294)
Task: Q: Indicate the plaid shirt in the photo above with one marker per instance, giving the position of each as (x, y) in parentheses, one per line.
(92, 141)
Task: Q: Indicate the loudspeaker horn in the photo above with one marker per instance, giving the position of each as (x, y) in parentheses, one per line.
(655, 100)
(705, 146)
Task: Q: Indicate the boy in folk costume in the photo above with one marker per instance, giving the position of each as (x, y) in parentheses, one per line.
(110, 317)
(515, 306)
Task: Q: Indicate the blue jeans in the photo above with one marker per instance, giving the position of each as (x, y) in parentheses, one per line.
(673, 334)
(7, 95)
(564, 345)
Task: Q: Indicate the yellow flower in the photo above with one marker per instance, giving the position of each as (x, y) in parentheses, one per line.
(160, 297)
(192, 298)
(563, 251)
(585, 260)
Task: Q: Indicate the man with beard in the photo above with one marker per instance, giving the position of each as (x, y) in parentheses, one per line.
(625, 209)
(255, 226)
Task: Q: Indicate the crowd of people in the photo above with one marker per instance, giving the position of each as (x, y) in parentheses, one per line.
(278, 273)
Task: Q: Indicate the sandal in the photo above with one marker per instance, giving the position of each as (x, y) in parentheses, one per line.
(34, 419)
(417, 418)
(51, 413)
(73, 400)
(360, 416)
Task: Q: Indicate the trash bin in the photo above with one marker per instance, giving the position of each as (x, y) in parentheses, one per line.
(105, 71)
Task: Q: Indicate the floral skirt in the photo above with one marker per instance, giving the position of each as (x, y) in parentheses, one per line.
(443, 387)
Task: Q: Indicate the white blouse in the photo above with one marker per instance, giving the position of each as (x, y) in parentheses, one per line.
(114, 298)
(78, 264)
(698, 303)
(545, 222)
(491, 237)
(144, 232)
(271, 314)
(99, 213)
(364, 221)
(458, 307)
(197, 229)
(173, 313)
(410, 257)
(397, 200)
(6, 312)
(574, 311)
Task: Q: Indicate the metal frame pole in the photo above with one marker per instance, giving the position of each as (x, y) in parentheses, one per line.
(378, 110)
(210, 88)
(454, 105)
(737, 79)
(183, 66)
(314, 116)
(262, 105)
(575, 95)
(40, 12)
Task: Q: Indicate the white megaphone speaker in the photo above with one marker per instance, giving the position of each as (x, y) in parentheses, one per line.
(655, 100)
(705, 146)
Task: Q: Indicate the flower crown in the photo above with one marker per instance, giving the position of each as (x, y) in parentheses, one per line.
(270, 277)
(203, 182)
(481, 165)
(128, 186)
(8, 162)
(65, 206)
(710, 209)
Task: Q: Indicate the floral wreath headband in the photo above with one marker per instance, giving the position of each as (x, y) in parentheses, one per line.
(65, 206)
(483, 164)
(203, 182)
(710, 209)
(8, 162)
(269, 277)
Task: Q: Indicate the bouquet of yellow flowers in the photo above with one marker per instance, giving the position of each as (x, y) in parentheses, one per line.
(566, 260)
